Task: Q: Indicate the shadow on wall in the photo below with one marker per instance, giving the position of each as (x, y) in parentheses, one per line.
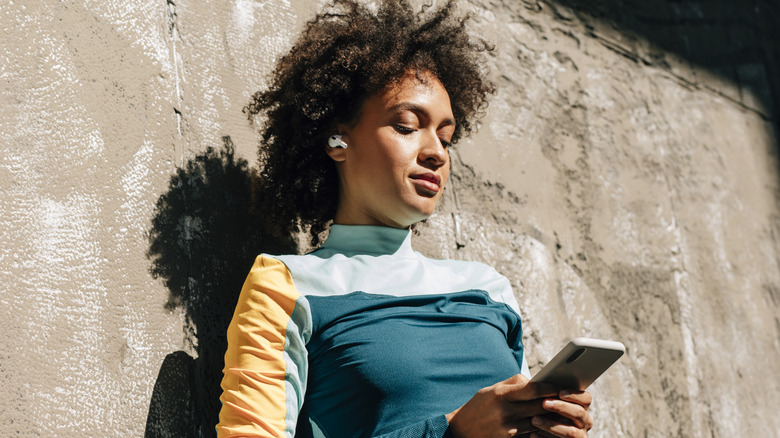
(737, 41)
(202, 243)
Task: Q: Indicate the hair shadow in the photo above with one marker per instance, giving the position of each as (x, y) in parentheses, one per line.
(203, 239)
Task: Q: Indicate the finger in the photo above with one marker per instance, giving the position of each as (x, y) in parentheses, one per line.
(518, 388)
(517, 411)
(582, 398)
(577, 414)
(524, 426)
(557, 429)
(557, 418)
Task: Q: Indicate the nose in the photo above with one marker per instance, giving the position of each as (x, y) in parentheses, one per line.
(433, 154)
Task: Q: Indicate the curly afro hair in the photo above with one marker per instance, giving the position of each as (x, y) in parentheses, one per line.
(345, 55)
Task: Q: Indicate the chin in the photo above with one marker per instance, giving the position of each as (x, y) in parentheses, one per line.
(417, 211)
(423, 214)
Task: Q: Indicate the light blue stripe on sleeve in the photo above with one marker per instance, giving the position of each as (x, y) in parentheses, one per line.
(296, 361)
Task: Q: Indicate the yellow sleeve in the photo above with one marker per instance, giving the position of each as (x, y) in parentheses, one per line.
(265, 363)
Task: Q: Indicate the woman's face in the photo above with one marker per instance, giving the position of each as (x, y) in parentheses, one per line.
(396, 164)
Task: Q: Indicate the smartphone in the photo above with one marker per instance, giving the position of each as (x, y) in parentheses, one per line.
(580, 363)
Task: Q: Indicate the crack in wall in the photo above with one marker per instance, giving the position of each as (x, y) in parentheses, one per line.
(178, 71)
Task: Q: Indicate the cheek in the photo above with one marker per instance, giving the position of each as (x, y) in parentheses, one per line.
(397, 159)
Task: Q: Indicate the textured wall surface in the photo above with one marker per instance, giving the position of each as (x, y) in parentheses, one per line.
(625, 179)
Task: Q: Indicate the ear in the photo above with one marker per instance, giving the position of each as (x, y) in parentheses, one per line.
(338, 154)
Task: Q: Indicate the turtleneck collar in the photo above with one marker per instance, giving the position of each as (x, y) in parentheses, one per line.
(368, 239)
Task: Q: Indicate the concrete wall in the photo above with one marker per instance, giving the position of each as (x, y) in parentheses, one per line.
(625, 179)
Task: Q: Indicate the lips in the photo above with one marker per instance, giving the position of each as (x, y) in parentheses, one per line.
(428, 180)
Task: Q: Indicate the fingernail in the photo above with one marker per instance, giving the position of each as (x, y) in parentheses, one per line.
(536, 421)
(548, 404)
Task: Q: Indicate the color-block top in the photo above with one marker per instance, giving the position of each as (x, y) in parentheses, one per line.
(364, 338)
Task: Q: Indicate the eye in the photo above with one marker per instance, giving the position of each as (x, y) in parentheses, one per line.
(403, 129)
(446, 144)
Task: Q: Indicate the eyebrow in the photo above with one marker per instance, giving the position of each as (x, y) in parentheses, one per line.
(413, 107)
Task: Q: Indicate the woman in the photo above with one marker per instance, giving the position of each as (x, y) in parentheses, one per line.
(363, 336)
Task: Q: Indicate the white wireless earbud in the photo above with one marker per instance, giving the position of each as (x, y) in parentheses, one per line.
(335, 141)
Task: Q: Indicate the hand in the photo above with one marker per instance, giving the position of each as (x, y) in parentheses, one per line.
(503, 410)
(568, 416)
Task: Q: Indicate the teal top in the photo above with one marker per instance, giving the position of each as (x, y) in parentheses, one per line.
(383, 341)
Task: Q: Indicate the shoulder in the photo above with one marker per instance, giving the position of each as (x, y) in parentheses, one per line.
(466, 274)
(309, 273)
(269, 276)
(265, 265)
(468, 268)
(283, 262)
